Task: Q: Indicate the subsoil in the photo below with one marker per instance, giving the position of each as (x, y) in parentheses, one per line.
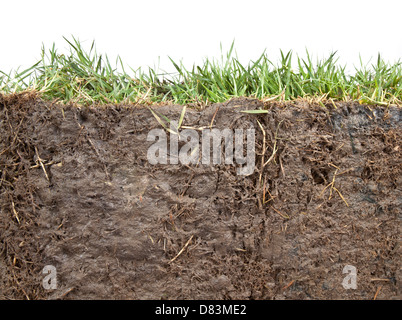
(78, 193)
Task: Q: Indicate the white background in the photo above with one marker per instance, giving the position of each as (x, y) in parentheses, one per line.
(145, 32)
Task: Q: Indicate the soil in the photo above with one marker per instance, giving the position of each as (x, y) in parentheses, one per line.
(78, 193)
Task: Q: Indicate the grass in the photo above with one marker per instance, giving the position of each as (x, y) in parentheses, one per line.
(86, 77)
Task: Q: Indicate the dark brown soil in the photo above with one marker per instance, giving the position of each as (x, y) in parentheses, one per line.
(78, 193)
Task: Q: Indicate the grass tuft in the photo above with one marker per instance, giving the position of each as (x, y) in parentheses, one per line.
(86, 77)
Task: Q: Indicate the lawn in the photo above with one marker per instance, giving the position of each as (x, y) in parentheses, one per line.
(85, 77)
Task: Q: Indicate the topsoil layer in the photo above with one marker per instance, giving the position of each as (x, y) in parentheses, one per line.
(78, 193)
